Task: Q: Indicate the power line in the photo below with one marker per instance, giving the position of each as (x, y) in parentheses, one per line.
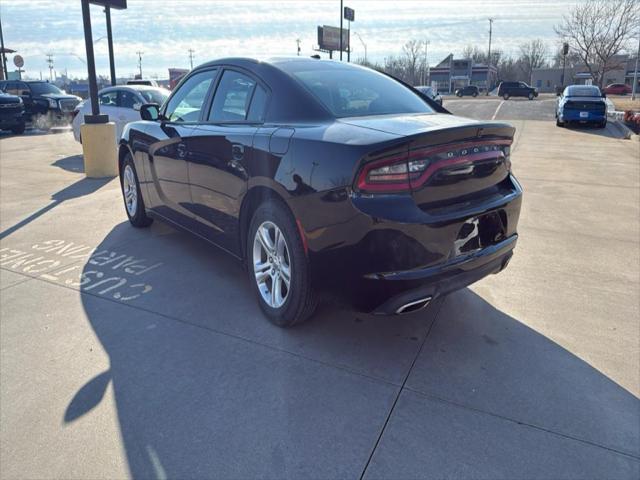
(191, 51)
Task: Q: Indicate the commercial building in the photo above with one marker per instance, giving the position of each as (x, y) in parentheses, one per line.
(547, 79)
(452, 73)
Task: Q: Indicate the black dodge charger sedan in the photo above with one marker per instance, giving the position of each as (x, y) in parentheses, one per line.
(323, 174)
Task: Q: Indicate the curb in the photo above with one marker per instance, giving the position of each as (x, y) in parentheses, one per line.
(616, 120)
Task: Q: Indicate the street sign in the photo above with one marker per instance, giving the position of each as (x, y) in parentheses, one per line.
(115, 4)
(349, 14)
(18, 61)
(329, 38)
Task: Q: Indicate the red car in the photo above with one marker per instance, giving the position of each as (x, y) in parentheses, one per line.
(617, 89)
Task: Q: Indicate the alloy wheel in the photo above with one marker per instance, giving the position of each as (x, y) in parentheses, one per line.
(271, 264)
(130, 190)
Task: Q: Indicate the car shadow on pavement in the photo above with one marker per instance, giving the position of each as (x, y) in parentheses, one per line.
(609, 131)
(197, 394)
(85, 186)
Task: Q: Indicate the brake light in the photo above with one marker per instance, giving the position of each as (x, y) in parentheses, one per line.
(412, 170)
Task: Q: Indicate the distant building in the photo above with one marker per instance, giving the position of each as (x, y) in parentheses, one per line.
(451, 74)
(175, 75)
(547, 79)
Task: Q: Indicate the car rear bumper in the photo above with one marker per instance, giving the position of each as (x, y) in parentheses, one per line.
(388, 250)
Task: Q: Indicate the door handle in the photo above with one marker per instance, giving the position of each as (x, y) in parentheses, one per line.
(237, 151)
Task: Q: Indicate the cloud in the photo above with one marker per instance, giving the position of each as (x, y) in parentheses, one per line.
(165, 30)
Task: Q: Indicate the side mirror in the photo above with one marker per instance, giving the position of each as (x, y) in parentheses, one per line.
(150, 111)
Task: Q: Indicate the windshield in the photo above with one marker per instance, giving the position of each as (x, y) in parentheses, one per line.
(158, 95)
(582, 91)
(44, 88)
(354, 92)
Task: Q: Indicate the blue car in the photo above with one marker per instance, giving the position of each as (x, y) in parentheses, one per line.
(583, 104)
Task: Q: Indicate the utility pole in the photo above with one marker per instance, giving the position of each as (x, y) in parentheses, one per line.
(298, 43)
(489, 56)
(191, 51)
(364, 45)
(341, 15)
(4, 56)
(139, 53)
(112, 65)
(635, 72)
(426, 63)
(50, 62)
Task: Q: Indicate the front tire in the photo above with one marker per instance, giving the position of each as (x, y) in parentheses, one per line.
(133, 202)
(278, 266)
(505, 96)
(531, 96)
(474, 94)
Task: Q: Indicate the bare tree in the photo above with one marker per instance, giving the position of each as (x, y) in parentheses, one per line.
(413, 55)
(532, 55)
(598, 30)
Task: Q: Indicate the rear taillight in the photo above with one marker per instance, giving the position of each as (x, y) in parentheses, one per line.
(411, 171)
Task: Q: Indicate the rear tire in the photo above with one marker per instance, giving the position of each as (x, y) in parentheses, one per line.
(531, 96)
(275, 252)
(559, 123)
(474, 94)
(133, 202)
(602, 124)
(458, 94)
(505, 96)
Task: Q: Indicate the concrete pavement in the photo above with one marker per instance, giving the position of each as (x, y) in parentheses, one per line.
(141, 353)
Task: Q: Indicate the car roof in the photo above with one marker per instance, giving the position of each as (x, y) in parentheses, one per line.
(135, 88)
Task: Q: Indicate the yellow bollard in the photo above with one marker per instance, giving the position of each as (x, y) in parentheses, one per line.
(99, 149)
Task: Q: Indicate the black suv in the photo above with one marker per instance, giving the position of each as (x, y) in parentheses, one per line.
(516, 89)
(468, 90)
(45, 104)
(11, 113)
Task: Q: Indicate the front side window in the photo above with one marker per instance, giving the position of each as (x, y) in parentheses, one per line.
(108, 99)
(187, 102)
(127, 99)
(349, 92)
(231, 102)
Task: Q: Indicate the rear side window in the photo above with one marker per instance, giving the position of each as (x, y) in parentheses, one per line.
(231, 102)
(258, 106)
(352, 92)
(186, 103)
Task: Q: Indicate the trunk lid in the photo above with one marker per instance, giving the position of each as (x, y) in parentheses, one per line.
(459, 160)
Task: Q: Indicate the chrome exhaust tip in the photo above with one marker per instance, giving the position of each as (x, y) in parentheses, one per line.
(413, 306)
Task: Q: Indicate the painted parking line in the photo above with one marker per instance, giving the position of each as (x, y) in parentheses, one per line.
(497, 110)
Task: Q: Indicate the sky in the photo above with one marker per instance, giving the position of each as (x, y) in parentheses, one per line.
(164, 30)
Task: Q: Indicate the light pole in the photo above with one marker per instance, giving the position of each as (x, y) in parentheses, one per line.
(341, 15)
(363, 44)
(4, 57)
(112, 63)
(426, 62)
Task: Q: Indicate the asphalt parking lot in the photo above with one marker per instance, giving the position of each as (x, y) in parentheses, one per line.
(141, 353)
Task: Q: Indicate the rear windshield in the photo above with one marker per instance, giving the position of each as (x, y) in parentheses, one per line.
(355, 92)
(583, 91)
